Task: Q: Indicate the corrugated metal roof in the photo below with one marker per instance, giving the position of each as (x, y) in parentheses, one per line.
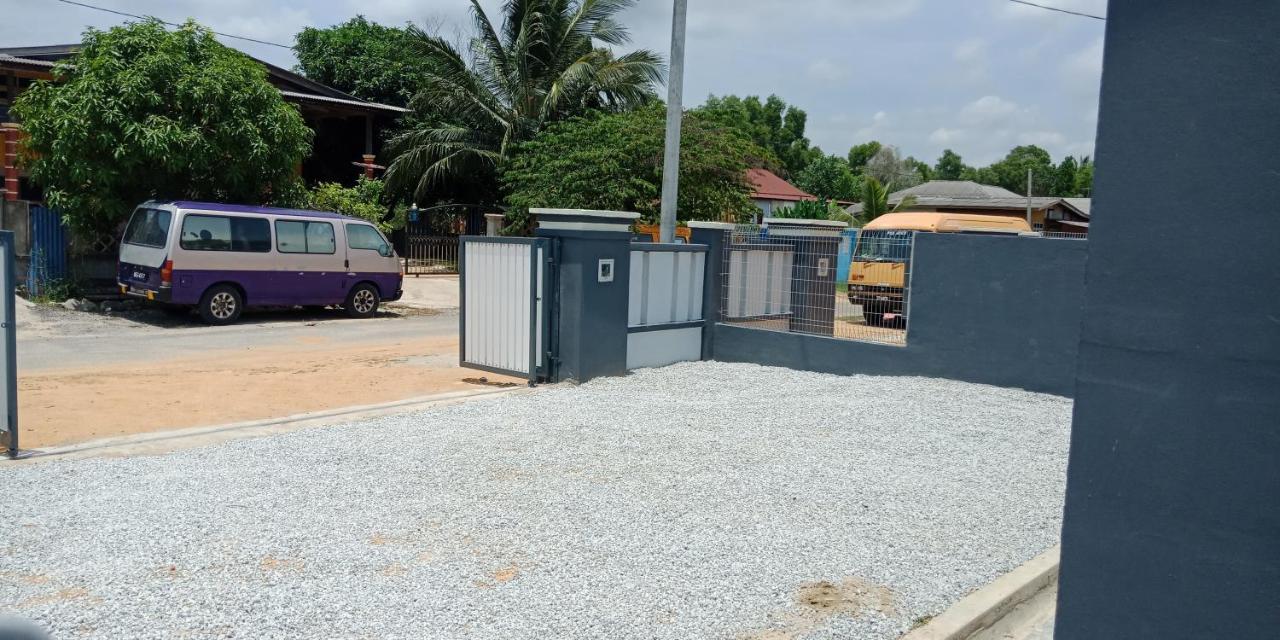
(354, 102)
(25, 62)
(1083, 205)
(954, 189)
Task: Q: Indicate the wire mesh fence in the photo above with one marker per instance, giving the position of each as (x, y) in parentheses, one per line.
(787, 281)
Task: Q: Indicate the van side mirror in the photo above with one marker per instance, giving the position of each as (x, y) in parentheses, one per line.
(384, 250)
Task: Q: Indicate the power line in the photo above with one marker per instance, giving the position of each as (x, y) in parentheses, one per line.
(172, 24)
(1048, 8)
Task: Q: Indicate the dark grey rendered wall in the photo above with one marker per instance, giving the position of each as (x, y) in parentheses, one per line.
(995, 310)
(591, 316)
(1172, 525)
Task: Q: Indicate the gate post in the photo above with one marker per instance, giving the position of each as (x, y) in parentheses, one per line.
(593, 276)
(714, 235)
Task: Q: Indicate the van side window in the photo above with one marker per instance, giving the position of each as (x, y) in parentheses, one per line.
(225, 233)
(294, 236)
(363, 236)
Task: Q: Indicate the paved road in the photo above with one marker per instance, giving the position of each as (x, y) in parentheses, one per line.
(72, 339)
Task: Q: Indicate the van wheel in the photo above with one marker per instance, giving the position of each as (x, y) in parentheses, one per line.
(221, 304)
(363, 301)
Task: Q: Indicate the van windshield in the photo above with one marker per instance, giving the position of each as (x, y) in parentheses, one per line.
(148, 227)
(884, 246)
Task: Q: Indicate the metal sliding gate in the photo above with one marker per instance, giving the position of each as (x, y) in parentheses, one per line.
(506, 314)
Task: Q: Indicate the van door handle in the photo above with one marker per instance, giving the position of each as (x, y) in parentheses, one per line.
(346, 264)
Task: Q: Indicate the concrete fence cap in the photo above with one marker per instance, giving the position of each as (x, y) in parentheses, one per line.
(707, 224)
(802, 222)
(616, 215)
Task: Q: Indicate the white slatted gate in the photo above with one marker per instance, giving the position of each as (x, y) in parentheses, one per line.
(503, 316)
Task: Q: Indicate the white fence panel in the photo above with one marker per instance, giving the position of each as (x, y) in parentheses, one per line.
(497, 290)
(665, 287)
(759, 283)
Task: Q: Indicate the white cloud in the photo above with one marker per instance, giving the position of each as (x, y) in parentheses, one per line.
(827, 70)
(942, 135)
(987, 110)
(970, 51)
(1042, 138)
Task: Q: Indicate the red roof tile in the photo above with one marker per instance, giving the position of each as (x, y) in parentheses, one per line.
(770, 187)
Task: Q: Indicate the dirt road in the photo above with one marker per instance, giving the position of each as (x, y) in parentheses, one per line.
(85, 376)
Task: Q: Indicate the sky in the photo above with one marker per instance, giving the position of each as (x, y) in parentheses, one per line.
(975, 76)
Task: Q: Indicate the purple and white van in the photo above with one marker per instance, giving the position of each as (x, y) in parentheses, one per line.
(220, 258)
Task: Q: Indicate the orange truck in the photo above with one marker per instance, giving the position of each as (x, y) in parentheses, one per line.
(881, 260)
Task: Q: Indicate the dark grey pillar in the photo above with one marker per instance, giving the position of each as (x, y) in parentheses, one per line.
(713, 235)
(1172, 526)
(813, 270)
(592, 306)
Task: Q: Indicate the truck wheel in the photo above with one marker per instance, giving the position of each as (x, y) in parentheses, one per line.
(221, 304)
(363, 301)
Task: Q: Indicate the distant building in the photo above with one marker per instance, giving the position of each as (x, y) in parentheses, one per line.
(1063, 215)
(772, 192)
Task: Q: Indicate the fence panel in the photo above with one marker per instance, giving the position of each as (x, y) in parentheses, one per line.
(664, 312)
(48, 258)
(793, 283)
(502, 318)
(666, 284)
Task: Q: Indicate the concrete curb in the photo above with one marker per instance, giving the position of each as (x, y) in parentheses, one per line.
(158, 442)
(987, 605)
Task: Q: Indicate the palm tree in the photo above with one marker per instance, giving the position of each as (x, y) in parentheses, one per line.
(544, 65)
(875, 201)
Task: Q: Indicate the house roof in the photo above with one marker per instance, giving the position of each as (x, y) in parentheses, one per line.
(964, 194)
(292, 86)
(768, 186)
(955, 189)
(1082, 205)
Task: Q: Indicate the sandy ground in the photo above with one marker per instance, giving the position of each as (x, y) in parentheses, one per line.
(430, 292)
(85, 376)
(62, 406)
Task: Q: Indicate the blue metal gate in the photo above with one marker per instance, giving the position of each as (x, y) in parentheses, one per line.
(48, 249)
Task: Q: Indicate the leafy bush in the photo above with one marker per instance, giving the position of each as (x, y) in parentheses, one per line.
(364, 201)
(143, 112)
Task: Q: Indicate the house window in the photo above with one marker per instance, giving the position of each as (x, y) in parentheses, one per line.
(1039, 226)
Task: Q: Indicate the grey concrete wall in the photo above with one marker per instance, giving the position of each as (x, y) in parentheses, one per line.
(995, 310)
(1172, 524)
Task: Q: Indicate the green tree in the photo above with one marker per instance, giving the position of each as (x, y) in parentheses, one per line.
(614, 161)
(829, 178)
(365, 59)
(142, 112)
(1011, 172)
(949, 166)
(1064, 178)
(772, 125)
(543, 66)
(1084, 178)
(861, 154)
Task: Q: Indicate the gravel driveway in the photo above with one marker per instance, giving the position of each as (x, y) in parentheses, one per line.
(702, 500)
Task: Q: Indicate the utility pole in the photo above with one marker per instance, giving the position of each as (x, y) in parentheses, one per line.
(1029, 198)
(675, 112)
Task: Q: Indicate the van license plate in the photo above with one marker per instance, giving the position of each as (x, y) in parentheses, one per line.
(138, 275)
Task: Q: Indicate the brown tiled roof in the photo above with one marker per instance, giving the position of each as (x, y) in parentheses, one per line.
(768, 186)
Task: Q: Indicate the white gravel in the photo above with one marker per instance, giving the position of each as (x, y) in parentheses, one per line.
(702, 500)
